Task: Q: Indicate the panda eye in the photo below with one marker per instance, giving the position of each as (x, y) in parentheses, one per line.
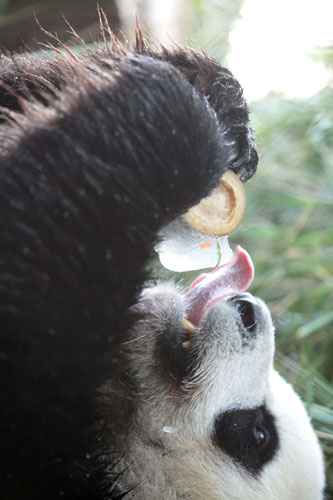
(261, 435)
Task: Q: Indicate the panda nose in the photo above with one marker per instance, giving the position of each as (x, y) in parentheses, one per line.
(245, 305)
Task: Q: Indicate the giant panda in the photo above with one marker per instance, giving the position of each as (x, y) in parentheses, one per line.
(99, 397)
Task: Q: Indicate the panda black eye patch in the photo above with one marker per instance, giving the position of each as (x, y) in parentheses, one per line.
(248, 436)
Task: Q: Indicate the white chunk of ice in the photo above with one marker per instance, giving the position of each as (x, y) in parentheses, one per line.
(181, 248)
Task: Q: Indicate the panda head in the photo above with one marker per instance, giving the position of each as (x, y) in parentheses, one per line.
(210, 417)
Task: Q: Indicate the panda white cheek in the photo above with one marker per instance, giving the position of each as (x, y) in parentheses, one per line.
(297, 472)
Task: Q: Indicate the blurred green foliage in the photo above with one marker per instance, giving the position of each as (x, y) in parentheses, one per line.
(213, 21)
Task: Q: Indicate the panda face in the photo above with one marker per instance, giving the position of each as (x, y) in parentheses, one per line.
(213, 419)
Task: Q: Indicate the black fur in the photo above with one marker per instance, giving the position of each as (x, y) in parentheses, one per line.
(102, 151)
(249, 436)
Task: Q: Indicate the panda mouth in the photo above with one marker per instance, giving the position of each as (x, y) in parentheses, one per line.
(230, 279)
(176, 349)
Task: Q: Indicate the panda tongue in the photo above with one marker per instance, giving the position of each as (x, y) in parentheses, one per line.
(231, 278)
